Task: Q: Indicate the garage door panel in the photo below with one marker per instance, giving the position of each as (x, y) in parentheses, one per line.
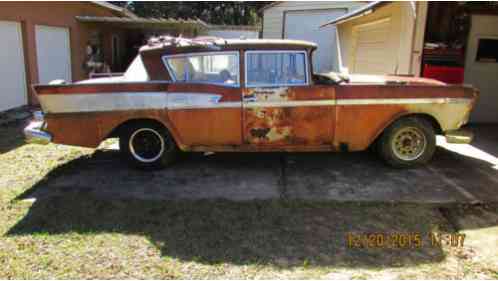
(371, 52)
(53, 53)
(305, 25)
(372, 36)
(12, 66)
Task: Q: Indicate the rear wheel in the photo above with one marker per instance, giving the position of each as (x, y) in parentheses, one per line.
(147, 146)
(408, 142)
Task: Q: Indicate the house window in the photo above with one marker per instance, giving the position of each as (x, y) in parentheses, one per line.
(487, 50)
(276, 68)
(213, 68)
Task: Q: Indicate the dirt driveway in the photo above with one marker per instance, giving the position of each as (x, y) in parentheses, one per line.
(466, 175)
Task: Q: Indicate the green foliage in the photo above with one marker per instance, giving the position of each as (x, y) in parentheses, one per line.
(228, 13)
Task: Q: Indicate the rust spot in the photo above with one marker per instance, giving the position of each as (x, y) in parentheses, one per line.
(259, 132)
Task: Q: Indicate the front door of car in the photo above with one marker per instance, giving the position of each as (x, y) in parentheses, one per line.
(281, 109)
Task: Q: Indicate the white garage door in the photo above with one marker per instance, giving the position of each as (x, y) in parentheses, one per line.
(12, 73)
(53, 53)
(371, 50)
(305, 25)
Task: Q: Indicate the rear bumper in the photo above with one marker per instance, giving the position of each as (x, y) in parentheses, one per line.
(461, 136)
(34, 132)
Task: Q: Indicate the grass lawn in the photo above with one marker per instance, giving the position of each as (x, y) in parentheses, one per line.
(77, 235)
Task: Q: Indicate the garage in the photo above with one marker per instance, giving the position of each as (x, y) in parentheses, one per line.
(371, 47)
(301, 20)
(12, 72)
(53, 53)
(303, 25)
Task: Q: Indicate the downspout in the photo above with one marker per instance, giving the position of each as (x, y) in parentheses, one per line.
(414, 9)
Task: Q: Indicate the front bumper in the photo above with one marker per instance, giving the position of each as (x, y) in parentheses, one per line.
(461, 136)
(34, 132)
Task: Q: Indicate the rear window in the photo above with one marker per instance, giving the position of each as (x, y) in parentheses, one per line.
(214, 68)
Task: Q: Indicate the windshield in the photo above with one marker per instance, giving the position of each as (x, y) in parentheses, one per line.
(136, 71)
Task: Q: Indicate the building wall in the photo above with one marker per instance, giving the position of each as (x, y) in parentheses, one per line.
(273, 17)
(401, 36)
(233, 33)
(59, 14)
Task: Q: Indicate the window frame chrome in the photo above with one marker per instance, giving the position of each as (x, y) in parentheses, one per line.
(172, 75)
(306, 66)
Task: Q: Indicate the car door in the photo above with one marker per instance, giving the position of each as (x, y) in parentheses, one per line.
(282, 110)
(204, 100)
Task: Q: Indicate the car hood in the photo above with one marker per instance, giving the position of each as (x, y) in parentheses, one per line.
(390, 79)
(379, 79)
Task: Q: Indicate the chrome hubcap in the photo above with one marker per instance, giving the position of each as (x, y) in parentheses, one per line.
(409, 143)
(146, 145)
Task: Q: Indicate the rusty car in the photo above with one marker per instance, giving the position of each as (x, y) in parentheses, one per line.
(249, 95)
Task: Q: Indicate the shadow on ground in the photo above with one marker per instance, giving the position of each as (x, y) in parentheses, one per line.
(12, 136)
(276, 232)
(292, 209)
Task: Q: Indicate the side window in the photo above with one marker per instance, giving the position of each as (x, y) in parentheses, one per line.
(276, 68)
(214, 68)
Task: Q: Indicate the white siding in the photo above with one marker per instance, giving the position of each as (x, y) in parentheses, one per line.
(274, 16)
(482, 74)
(233, 33)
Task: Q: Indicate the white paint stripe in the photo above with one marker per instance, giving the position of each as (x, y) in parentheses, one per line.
(102, 102)
(61, 103)
(459, 188)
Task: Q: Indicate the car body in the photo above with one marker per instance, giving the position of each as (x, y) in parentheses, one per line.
(245, 95)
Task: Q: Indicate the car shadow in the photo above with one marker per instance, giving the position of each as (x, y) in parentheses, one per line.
(12, 136)
(270, 232)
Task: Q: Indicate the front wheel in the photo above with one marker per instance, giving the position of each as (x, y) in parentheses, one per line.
(407, 143)
(147, 146)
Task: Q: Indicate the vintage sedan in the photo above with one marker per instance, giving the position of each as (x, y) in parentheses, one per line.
(249, 95)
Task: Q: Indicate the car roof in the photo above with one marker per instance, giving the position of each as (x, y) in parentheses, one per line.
(181, 45)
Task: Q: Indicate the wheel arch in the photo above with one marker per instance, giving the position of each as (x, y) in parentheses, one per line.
(121, 127)
(424, 116)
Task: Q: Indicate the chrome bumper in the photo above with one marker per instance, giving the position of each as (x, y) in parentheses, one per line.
(34, 132)
(461, 136)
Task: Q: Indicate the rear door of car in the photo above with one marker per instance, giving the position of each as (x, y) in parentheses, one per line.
(204, 98)
(282, 109)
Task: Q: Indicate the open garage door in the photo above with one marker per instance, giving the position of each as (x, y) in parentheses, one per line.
(12, 71)
(371, 53)
(53, 53)
(305, 25)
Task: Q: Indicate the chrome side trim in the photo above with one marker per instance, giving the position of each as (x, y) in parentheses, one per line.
(401, 101)
(198, 100)
(289, 103)
(249, 104)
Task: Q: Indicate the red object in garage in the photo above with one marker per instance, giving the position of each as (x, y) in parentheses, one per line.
(447, 74)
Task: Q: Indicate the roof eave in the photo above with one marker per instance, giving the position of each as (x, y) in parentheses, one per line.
(362, 11)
